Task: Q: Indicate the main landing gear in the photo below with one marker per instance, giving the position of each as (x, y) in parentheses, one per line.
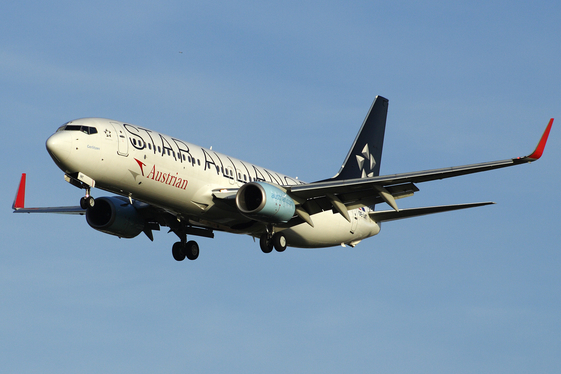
(277, 241)
(184, 248)
(181, 250)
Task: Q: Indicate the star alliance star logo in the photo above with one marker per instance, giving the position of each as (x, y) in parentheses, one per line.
(366, 162)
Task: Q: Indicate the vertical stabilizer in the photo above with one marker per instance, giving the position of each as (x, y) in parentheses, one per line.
(365, 155)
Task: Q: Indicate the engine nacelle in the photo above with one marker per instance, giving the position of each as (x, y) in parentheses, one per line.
(264, 202)
(115, 216)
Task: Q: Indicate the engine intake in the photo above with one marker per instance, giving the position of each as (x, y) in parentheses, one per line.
(264, 202)
(115, 216)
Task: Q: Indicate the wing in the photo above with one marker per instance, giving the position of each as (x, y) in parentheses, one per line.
(342, 195)
(19, 204)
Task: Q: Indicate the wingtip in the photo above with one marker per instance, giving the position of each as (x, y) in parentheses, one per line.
(19, 200)
(538, 152)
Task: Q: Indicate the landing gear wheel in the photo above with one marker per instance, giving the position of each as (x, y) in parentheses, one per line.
(178, 251)
(87, 202)
(279, 242)
(192, 250)
(266, 244)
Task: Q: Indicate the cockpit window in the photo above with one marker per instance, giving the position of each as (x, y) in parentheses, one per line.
(85, 129)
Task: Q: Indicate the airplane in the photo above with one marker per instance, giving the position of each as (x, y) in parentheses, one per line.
(159, 181)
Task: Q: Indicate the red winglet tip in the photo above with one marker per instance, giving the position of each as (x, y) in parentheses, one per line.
(19, 201)
(541, 145)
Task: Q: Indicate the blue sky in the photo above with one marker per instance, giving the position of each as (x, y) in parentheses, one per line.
(286, 85)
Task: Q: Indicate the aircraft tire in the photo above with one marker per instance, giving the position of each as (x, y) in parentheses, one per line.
(87, 202)
(178, 251)
(266, 244)
(279, 242)
(192, 250)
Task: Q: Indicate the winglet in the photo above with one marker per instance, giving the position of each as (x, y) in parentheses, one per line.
(19, 200)
(541, 145)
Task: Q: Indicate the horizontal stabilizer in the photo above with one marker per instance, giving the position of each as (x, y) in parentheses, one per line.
(391, 215)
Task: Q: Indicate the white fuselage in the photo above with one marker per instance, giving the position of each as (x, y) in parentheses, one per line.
(180, 177)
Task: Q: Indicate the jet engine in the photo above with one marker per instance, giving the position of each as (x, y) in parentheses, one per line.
(264, 202)
(115, 216)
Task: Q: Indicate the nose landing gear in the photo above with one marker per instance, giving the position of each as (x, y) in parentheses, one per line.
(87, 201)
(82, 181)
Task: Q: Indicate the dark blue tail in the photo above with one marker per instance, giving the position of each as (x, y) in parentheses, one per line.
(365, 155)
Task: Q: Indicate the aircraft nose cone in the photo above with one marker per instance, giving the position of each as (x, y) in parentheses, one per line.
(59, 146)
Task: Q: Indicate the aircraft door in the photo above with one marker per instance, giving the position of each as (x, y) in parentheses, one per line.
(123, 142)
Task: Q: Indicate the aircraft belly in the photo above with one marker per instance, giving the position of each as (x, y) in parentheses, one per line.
(330, 230)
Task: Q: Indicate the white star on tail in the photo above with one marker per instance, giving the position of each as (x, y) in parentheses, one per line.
(366, 157)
